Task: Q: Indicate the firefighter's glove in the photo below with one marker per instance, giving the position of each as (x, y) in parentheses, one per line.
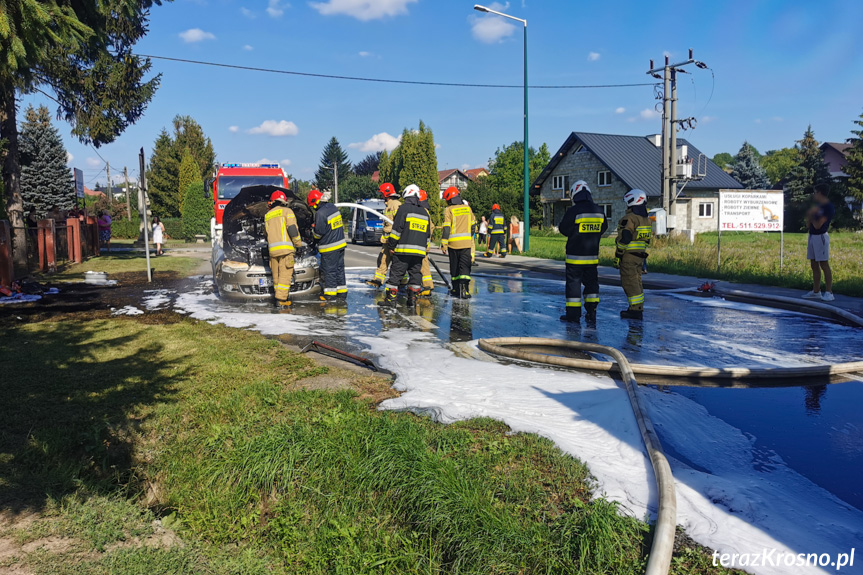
(616, 263)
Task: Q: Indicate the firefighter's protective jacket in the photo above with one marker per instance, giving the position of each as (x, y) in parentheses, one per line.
(458, 225)
(283, 235)
(411, 229)
(633, 232)
(497, 222)
(392, 207)
(329, 230)
(583, 223)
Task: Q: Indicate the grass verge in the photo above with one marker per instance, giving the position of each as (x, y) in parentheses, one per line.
(120, 433)
(125, 263)
(746, 257)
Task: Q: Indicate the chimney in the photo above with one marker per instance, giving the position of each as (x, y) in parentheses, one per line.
(655, 139)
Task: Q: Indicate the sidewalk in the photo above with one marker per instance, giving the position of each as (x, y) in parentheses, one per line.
(610, 276)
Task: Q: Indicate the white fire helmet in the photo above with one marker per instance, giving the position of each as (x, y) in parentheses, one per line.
(634, 198)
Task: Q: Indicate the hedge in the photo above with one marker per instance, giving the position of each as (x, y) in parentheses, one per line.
(123, 229)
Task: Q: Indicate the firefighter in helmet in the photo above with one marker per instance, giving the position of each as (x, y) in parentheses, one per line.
(633, 238)
(330, 234)
(497, 233)
(457, 241)
(283, 239)
(583, 224)
(391, 198)
(408, 242)
(428, 282)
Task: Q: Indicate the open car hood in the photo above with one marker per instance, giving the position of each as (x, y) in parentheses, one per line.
(244, 234)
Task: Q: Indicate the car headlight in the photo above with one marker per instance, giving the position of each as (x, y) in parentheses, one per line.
(306, 262)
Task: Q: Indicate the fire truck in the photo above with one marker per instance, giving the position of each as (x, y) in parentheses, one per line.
(229, 179)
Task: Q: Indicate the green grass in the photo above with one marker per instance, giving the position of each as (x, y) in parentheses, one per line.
(125, 263)
(213, 428)
(746, 257)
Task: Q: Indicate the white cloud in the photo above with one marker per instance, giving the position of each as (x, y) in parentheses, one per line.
(248, 47)
(378, 143)
(285, 162)
(274, 128)
(490, 28)
(363, 10)
(365, 54)
(275, 8)
(464, 167)
(234, 129)
(620, 110)
(593, 56)
(707, 119)
(758, 120)
(193, 35)
(69, 158)
(93, 162)
(648, 114)
(246, 12)
(778, 119)
(264, 161)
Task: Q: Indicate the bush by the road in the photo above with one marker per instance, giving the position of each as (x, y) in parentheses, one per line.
(746, 257)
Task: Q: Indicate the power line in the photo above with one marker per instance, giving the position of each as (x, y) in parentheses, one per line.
(388, 81)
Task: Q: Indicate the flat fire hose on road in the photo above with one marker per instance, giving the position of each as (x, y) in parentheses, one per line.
(659, 560)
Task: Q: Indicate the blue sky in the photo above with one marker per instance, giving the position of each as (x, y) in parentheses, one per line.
(778, 66)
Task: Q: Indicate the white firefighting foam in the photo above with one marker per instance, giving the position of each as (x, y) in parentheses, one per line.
(730, 498)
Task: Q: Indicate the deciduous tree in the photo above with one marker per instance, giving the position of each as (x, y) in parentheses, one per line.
(368, 165)
(724, 160)
(779, 163)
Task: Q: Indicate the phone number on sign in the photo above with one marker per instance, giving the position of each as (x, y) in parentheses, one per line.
(751, 226)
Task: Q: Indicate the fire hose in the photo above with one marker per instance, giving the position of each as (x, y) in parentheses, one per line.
(659, 559)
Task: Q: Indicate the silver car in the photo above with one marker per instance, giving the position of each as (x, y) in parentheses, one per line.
(241, 270)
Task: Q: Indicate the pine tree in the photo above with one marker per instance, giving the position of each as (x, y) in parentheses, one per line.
(333, 153)
(747, 169)
(414, 161)
(45, 179)
(197, 211)
(163, 177)
(189, 172)
(854, 167)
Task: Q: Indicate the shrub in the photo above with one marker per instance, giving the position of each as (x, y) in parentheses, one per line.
(123, 229)
(197, 211)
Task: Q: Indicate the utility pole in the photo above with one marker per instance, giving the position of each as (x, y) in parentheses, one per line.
(669, 129)
(128, 204)
(336, 181)
(110, 187)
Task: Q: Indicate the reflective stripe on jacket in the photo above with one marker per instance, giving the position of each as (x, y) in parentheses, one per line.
(633, 234)
(283, 235)
(583, 224)
(497, 222)
(458, 226)
(411, 229)
(329, 230)
(392, 208)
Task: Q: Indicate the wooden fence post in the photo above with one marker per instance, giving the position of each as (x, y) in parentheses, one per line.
(47, 245)
(7, 266)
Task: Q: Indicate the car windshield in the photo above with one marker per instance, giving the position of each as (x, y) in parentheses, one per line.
(230, 186)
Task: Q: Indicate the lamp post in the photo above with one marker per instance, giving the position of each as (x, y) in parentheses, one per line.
(526, 147)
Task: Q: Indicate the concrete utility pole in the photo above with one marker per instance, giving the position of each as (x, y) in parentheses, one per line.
(128, 204)
(669, 128)
(110, 187)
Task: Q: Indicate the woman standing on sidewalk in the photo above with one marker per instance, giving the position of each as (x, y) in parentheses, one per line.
(104, 223)
(514, 235)
(158, 232)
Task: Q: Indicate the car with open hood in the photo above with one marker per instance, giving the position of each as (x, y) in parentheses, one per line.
(241, 260)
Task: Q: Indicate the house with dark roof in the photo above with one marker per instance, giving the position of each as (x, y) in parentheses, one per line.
(836, 156)
(457, 178)
(613, 164)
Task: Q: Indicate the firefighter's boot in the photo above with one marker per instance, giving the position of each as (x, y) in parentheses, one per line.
(572, 315)
(590, 312)
(375, 283)
(426, 292)
(632, 314)
(413, 293)
(390, 297)
(464, 289)
(284, 305)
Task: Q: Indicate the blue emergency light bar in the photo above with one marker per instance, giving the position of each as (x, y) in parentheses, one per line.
(250, 165)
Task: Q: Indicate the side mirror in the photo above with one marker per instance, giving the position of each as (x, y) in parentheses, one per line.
(209, 192)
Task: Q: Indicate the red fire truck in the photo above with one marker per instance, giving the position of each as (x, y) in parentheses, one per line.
(229, 179)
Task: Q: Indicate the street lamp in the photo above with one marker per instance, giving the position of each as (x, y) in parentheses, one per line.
(480, 8)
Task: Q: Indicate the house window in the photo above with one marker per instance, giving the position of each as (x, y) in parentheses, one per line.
(603, 178)
(606, 209)
(705, 210)
(559, 182)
